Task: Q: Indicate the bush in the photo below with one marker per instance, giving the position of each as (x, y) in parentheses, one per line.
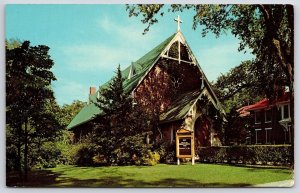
(251, 154)
(99, 160)
(11, 158)
(68, 153)
(150, 158)
(85, 155)
(47, 156)
(167, 152)
(132, 150)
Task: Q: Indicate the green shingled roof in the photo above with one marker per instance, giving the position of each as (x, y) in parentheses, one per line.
(141, 66)
(180, 106)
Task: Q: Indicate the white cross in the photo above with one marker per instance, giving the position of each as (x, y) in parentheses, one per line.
(178, 22)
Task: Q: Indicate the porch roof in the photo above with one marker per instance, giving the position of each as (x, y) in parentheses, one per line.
(180, 106)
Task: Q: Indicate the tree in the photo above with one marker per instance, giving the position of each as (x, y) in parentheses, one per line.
(236, 88)
(119, 132)
(268, 30)
(28, 86)
(239, 87)
(68, 111)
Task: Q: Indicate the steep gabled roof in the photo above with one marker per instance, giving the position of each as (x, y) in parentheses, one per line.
(141, 67)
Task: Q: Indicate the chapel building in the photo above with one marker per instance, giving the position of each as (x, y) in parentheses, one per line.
(168, 76)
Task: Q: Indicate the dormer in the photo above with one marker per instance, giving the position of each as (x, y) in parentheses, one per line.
(132, 71)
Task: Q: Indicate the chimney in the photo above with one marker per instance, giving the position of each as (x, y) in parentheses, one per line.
(92, 90)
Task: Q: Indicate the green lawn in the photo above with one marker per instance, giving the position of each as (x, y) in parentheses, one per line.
(199, 175)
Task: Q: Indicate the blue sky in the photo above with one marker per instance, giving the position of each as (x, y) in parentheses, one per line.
(87, 42)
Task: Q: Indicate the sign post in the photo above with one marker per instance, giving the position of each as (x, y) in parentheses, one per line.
(185, 145)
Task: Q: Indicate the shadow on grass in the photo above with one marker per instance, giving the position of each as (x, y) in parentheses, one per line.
(39, 178)
(256, 168)
(251, 166)
(45, 178)
(66, 177)
(118, 182)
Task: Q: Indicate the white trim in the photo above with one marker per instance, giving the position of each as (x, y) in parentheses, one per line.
(193, 58)
(175, 38)
(132, 72)
(196, 100)
(181, 39)
(281, 107)
(266, 130)
(179, 57)
(283, 103)
(256, 130)
(168, 57)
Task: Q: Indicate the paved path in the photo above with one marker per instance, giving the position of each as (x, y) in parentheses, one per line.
(283, 184)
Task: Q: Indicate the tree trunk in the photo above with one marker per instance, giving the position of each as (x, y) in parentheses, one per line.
(286, 60)
(26, 151)
(19, 151)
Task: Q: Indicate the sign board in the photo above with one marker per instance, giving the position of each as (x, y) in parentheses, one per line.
(185, 145)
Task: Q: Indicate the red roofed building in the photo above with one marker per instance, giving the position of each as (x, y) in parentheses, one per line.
(271, 121)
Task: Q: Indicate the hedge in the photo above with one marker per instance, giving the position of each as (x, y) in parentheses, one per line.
(250, 154)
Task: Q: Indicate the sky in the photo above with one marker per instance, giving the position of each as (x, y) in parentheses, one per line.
(88, 42)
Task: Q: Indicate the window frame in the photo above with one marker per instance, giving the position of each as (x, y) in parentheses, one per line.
(268, 121)
(256, 137)
(258, 112)
(266, 130)
(282, 112)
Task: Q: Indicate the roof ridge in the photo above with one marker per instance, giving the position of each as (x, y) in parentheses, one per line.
(141, 65)
(124, 71)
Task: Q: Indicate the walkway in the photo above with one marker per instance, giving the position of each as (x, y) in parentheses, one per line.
(281, 184)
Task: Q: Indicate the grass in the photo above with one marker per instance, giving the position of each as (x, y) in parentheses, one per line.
(199, 175)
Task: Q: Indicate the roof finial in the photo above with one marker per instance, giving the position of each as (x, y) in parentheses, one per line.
(178, 22)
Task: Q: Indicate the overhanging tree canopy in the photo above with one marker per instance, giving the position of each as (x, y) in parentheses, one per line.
(268, 30)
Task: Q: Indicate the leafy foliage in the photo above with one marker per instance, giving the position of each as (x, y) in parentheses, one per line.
(30, 106)
(45, 156)
(69, 111)
(236, 127)
(254, 154)
(167, 152)
(267, 30)
(85, 154)
(150, 158)
(235, 81)
(119, 134)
